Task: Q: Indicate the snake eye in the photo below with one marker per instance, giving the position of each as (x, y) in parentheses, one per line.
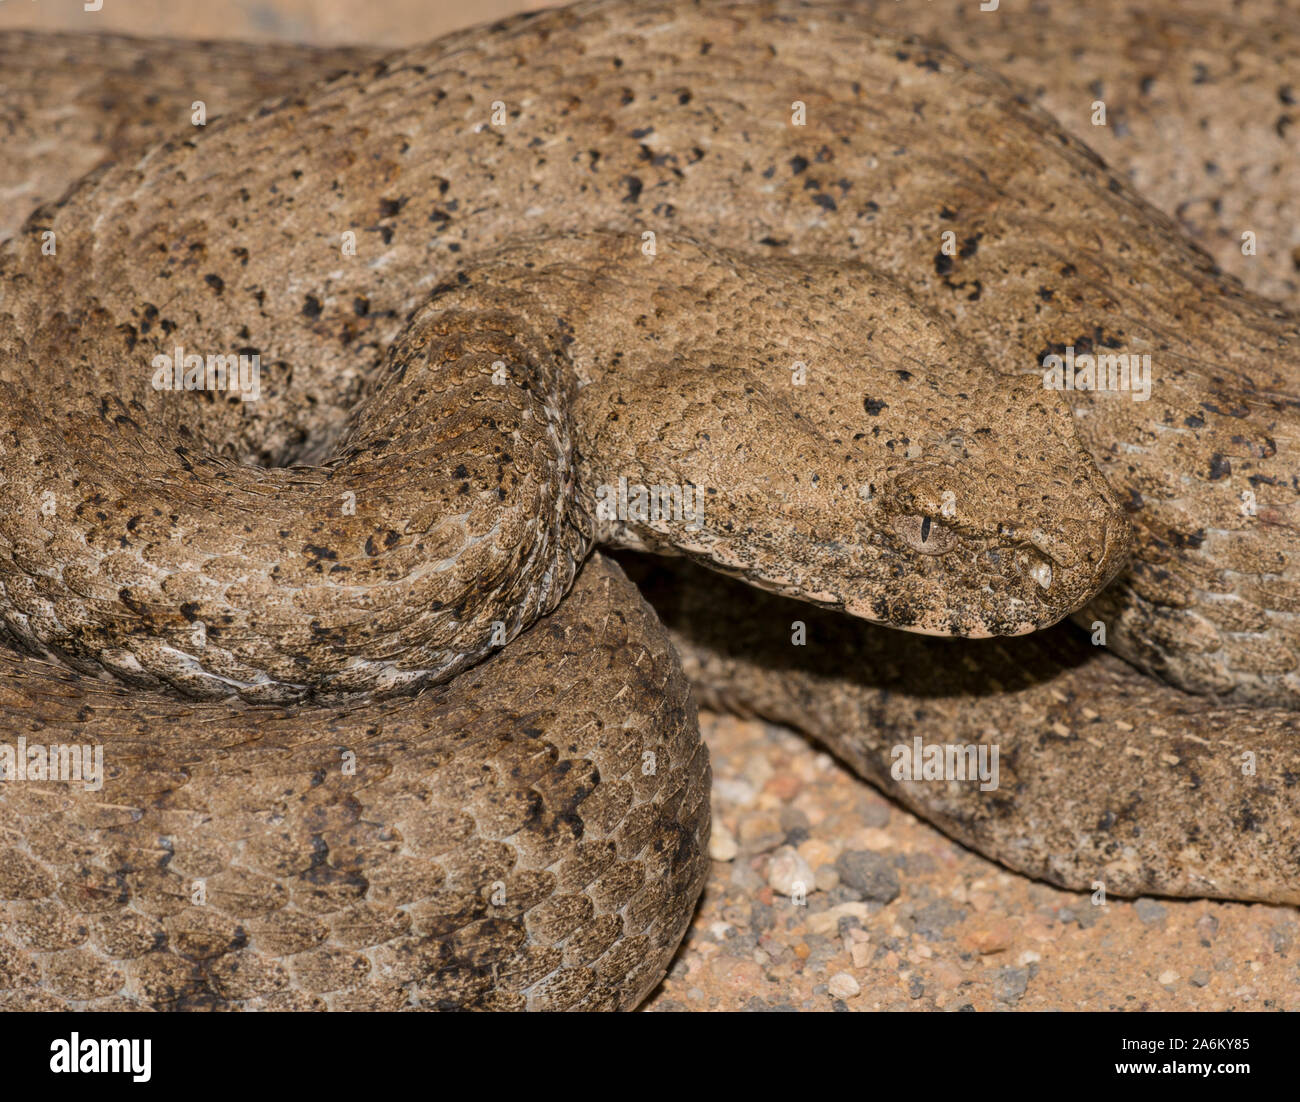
(925, 535)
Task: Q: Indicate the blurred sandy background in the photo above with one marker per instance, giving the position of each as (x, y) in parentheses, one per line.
(325, 22)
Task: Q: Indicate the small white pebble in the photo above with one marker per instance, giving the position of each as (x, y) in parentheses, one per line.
(722, 843)
(843, 986)
(1028, 957)
(1169, 976)
(789, 873)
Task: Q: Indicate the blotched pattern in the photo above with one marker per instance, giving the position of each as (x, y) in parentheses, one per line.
(530, 837)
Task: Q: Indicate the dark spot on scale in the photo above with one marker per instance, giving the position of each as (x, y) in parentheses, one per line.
(873, 406)
(215, 282)
(906, 376)
(1194, 421)
(1248, 820)
(124, 595)
(190, 610)
(391, 208)
(1219, 467)
(461, 471)
(311, 308)
(634, 186)
(798, 164)
(942, 264)
(904, 613)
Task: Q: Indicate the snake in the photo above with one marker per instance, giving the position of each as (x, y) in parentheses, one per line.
(381, 728)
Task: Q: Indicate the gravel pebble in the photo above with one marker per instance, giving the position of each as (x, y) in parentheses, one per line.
(1009, 984)
(843, 986)
(759, 832)
(789, 873)
(989, 935)
(933, 920)
(827, 877)
(1150, 912)
(722, 843)
(870, 874)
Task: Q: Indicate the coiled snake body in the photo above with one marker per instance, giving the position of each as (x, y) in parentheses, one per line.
(490, 279)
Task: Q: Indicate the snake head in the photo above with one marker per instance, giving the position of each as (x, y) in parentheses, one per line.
(835, 442)
(998, 528)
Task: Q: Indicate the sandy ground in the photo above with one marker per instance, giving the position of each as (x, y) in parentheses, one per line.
(894, 916)
(898, 917)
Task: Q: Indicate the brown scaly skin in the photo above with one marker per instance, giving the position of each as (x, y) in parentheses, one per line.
(920, 489)
(1054, 251)
(69, 102)
(1104, 774)
(291, 442)
(685, 362)
(1202, 104)
(1183, 84)
(531, 837)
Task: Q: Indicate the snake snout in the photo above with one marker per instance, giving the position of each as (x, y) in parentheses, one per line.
(1075, 552)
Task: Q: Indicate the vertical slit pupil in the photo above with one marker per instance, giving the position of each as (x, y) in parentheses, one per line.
(925, 529)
